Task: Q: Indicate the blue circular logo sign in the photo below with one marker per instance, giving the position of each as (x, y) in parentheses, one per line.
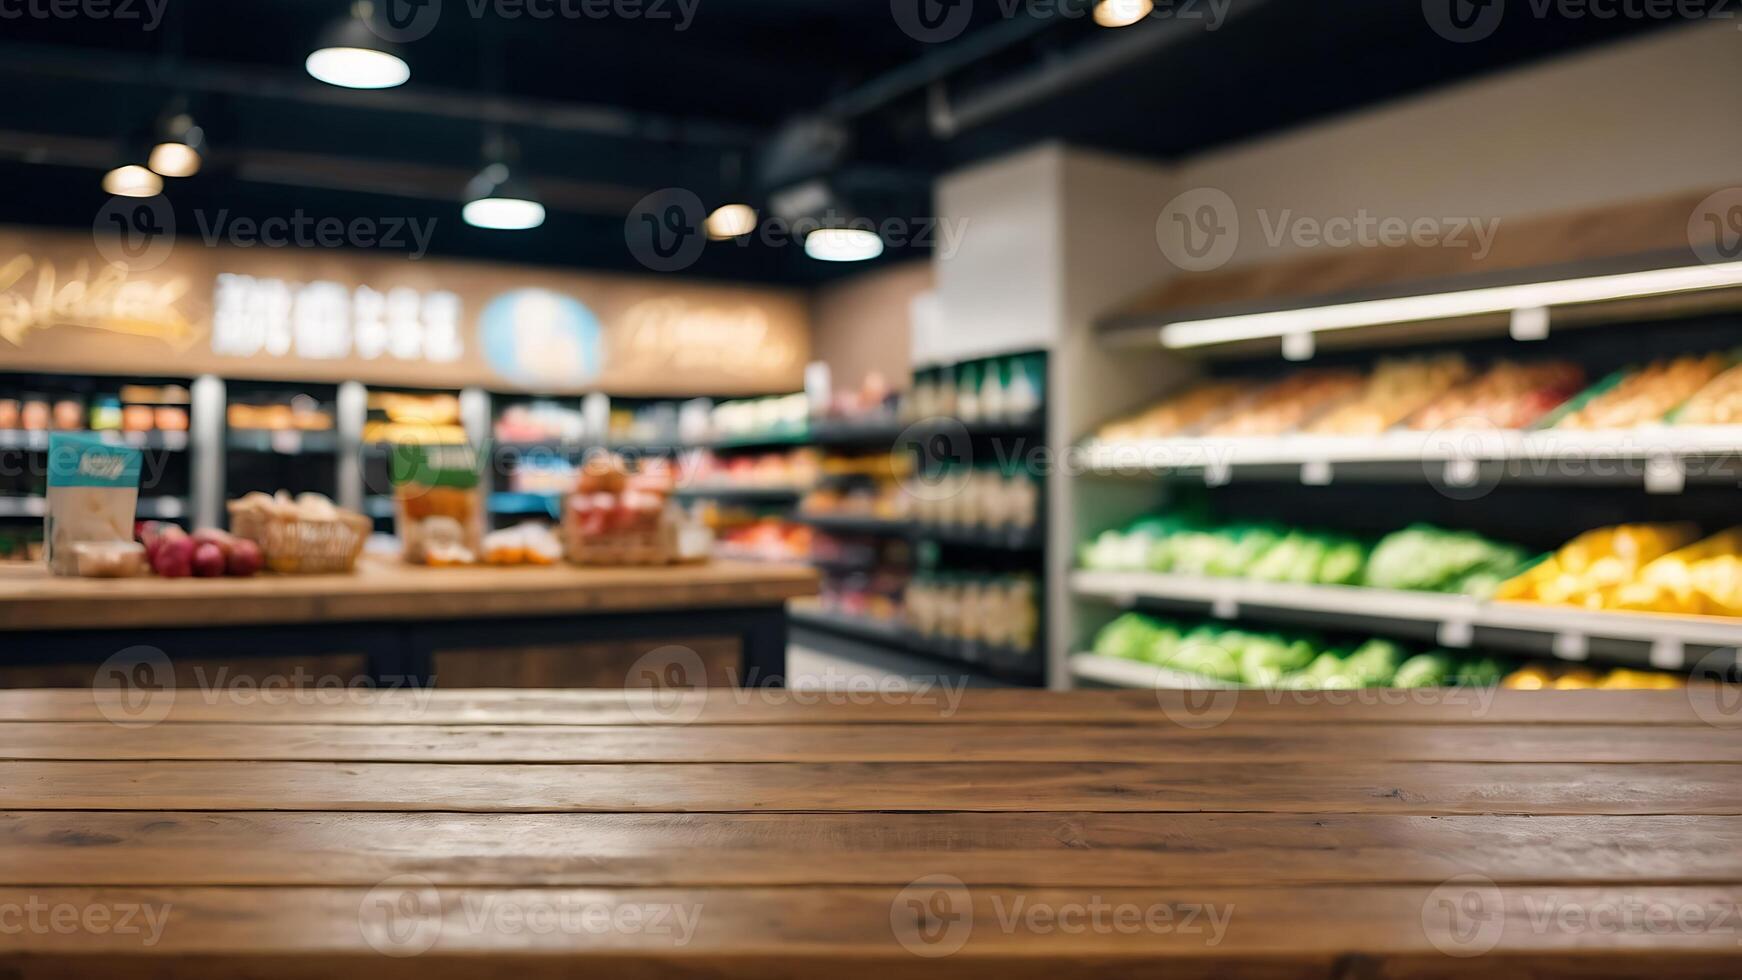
(536, 337)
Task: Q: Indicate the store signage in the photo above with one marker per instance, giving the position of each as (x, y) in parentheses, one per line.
(36, 295)
(330, 315)
(259, 316)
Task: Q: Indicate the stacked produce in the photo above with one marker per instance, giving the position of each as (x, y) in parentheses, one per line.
(1230, 656)
(1641, 568)
(1285, 405)
(1508, 395)
(1398, 388)
(1718, 403)
(207, 553)
(1418, 558)
(1644, 395)
(973, 607)
(1177, 415)
(1537, 677)
(615, 517)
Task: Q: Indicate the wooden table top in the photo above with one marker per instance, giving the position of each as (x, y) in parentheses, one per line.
(444, 833)
(31, 599)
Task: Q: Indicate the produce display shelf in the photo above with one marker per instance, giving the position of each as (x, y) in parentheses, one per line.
(1661, 640)
(1001, 539)
(37, 439)
(1119, 672)
(287, 442)
(1553, 453)
(1004, 663)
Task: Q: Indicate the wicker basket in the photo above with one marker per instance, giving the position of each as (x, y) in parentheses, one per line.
(622, 548)
(294, 545)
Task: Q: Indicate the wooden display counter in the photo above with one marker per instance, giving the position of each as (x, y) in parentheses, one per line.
(933, 833)
(558, 626)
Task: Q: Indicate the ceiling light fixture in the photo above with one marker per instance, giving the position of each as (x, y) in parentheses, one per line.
(1122, 13)
(495, 199)
(730, 221)
(132, 180)
(350, 55)
(1442, 306)
(843, 244)
(180, 145)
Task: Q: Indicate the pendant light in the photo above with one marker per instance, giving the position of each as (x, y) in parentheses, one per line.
(350, 55)
(496, 199)
(843, 244)
(733, 219)
(179, 146)
(1122, 13)
(132, 180)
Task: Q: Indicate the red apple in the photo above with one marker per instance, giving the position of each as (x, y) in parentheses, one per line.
(245, 558)
(211, 535)
(174, 556)
(208, 560)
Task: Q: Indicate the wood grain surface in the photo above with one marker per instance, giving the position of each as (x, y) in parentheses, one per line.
(31, 599)
(773, 834)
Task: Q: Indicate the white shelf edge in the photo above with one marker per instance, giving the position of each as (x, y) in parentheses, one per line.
(1130, 673)
(1439, 446)
(1121, 587)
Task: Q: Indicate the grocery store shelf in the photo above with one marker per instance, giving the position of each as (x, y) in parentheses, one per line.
(1021, 666)
(1438, 454)
(378, 506)
(757, 440)
(149, 508)
(1119, 672)
(37, 439)
(1027, 539)
(888, 431)
(287, 442)
(1661, 640)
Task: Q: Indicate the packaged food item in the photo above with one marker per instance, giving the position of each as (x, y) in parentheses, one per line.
(1290, 403)
(1508, 395)
(110, 559)
(524, 544)
(1397, 389)
(1645, 395)
(438, 505)
(1718, 403)
(93, 490)
(1176, 415)
(616, 517)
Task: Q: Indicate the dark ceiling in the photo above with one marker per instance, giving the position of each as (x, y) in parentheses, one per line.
(607, 108)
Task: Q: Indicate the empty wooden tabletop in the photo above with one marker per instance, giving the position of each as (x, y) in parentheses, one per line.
(866, 833)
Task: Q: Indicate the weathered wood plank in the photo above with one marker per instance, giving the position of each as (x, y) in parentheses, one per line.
(1060, 849)
(1367, 787)
(1234, 742)
(1698, 706)
(928, 929)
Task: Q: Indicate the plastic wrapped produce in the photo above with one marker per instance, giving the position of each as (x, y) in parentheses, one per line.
(1508, 395)
(1645, 395)
(1398, 388)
